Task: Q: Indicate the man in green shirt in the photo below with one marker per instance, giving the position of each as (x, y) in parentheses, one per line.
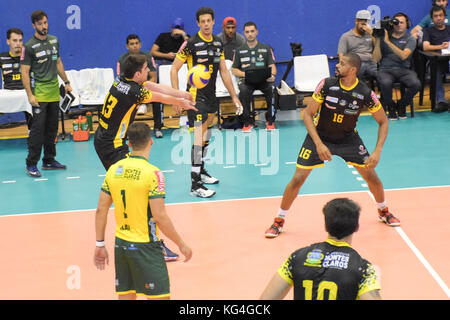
(254, 55)
(42, 63)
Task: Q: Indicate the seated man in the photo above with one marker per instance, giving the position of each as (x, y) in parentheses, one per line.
(167, 44)
(10, 64)
(230, 38)
(254, 55)
(134, 46)
(437, 38)
(395, 64)
(360, 40)
(426, 21)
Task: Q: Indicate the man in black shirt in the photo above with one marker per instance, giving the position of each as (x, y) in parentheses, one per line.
(167, 44)
(10, 64)
(330, 270)
(330, 119)
(437, 38)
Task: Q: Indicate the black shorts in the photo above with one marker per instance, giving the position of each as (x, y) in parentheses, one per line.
(351, 149)
(205, 107)
(108, 154)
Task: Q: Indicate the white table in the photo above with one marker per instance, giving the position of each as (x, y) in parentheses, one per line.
(14, 101)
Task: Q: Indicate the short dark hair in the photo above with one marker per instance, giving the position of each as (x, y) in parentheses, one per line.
(341, 217)
(132, 64)
(202, 11)
(353, 59)
(37, 15)
(13, 30)
(437, 9)
(249, 24)
(132, 37)
(139, 134)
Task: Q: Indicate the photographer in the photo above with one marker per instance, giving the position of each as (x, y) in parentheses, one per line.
(360, 40)
(397, 47)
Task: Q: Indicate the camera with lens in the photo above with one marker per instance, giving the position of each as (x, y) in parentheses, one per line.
(296, 49)
(386, 24)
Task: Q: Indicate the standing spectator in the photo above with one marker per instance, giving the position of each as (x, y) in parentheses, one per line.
(437, 38)
(332, 269)
(426, 21)
(134, 46)
(137, 190)
(230, 38)
(395, 65)
(360, 40)
(42, 60)
(10, 64)
(167, 44)
(255, 55)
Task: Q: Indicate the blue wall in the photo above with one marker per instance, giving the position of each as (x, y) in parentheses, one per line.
(99, 37)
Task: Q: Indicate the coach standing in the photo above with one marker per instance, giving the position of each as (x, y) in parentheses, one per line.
(40, 67)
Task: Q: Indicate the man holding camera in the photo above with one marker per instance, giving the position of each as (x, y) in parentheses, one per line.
(360, 40)
(397, 47)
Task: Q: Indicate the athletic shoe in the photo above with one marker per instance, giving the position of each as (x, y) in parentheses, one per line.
(402, 112)
(55, 165)
(388, 218)
(168, 254)
(33, 171)
(270, 126)
(247, 128)
(158, 133)
(201, 191)
(392, 114)
(207, 178)
(142, 109)
(275, 229)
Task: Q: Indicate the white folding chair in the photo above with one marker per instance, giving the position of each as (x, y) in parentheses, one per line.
(309, 70)
(164, 76)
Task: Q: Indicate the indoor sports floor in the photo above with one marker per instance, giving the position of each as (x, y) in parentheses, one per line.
(47, 224)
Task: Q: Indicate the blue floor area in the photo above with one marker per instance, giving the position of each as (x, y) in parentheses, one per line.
(416, 154)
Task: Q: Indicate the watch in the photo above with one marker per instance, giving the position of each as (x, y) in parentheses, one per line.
(67, 82)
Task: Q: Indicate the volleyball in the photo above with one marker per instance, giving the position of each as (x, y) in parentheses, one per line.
(198, 76)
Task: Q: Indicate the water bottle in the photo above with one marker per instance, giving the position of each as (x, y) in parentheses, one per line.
(89, 120)
(184, 124)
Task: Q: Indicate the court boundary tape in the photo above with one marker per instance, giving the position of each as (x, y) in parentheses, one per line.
(420, 257)
(226, 200)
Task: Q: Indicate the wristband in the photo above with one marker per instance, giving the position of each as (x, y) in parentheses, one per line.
(99, 244)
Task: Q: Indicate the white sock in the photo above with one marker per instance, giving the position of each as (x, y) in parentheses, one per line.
(282, 213)
(195, 169)
(381, 205)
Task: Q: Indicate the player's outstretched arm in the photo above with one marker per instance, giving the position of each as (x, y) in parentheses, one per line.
(308, 116)
(226, 78)
(167, 90)
(101, 218)
(164, 223)
(175, 101)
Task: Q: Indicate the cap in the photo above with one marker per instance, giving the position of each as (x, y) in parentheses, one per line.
(363, 15)
(178, 24)
(229, 20)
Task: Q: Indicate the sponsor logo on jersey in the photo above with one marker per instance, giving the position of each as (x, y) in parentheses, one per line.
(314, 258)
(160, 181)
(337, 260)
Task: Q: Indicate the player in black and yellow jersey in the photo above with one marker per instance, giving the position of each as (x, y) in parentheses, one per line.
(207, 49)
(137, 190)
(120, 107)
(330, 119)
(329, 270)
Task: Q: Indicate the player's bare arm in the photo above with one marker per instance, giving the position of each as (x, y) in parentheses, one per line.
(101, 218)
(277, 289)
(226, 78)
(164, 223)
(383, 127)
(308, 115)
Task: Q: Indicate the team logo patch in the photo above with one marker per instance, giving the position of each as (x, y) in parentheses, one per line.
(314, 258)
(160, 181)
(374, 98)
(319, 87)
(362, 150)
(119, 171)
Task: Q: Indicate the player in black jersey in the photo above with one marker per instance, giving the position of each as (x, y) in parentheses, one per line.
(207, 49)
(331, 119)
(120, 107)
(329, 270)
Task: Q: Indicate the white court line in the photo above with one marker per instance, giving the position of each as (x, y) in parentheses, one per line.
(229, 167)
(72, 178)
(293, 162)
(10, 181)
(424, 261)
(420, 256)
(168, 170)
(41, 179)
